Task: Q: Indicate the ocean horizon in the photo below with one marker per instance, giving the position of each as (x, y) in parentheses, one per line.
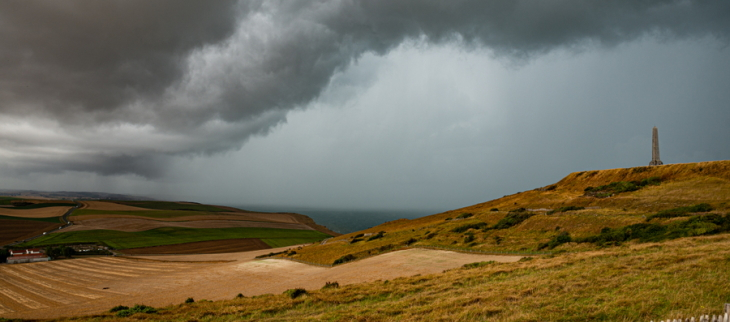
(345, 221)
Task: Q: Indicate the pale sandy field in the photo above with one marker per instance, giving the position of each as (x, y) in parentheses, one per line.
(92, 285)
(35, 213)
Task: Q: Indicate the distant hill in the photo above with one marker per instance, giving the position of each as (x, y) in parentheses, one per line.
(67, 195)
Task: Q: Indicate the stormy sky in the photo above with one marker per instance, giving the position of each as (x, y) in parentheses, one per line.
(354, 104)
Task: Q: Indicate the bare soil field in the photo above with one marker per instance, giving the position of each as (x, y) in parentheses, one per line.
(205, 247)
(132, 224)
(35, 213)
(103, 205)
(46, 290)
(12, 230)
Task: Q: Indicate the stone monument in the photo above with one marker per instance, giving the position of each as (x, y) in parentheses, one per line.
(655, 148)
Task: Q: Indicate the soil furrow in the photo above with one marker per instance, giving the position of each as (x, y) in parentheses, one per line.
(18, 298)
(67, 287)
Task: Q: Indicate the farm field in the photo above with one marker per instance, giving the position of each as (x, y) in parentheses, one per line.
(43, 212)
(204, 247)
(172, 235)
(12, 230)
(134, 224)
(46, 290)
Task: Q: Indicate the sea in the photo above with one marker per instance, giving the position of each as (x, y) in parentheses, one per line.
(345, 221)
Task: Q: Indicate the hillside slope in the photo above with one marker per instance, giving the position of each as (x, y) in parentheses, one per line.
(580, 205)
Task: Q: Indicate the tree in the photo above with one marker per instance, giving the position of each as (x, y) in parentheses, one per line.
(68, 251)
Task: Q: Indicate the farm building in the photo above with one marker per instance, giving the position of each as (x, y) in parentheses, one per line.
(29, 255)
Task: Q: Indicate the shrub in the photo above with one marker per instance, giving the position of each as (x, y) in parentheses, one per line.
(466, 227)
(494, 209)
(331, 285)
(512, 219)
(410, 241)
(239, 296)
(556, 241)
(681, 211)
(355, 240)
(465, 215)
(295, 292)
(564, 209)
(136, 309)
(344, 259)
(498, 239)
(380, 234)
(431, 235)
(619, 187)
(118, 308)
(189, 300)
(469, 238)
(477, 264)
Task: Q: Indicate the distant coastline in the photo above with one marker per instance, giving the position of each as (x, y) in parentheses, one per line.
(345, 221)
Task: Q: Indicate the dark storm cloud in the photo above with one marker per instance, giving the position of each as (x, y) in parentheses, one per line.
(202, 77)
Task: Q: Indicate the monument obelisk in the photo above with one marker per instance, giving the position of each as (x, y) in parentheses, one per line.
(655, 148)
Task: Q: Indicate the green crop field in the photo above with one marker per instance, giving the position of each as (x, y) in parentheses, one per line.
(166, 205)
(45, 205)
(174, 235)
(142, 213)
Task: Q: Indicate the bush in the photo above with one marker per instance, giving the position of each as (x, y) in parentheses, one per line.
(512, 219)
(564, 209)
(494, 209)
(240, 296)
(465, 215)
(556, 241)
(344, 259)
(469, 238)
(619, 187)
(410, 241)
(646, 232)
(295, 292)
(477, 264)
(118, 308)
(379, 235)
(189, 300)
(681, 211)
(136, 309)
(466, 227)
(431, 235)
(331, 285)
(498, 240)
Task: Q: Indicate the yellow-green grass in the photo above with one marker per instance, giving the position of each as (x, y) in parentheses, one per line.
(681, 185)
(176, 235)
(141, 213)
(170, 205)
(634, 282)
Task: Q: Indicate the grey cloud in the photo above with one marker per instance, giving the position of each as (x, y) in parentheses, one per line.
(205, 76)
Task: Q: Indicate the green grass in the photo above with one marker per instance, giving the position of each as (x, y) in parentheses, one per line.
(49, 219)
(45, 205)
(141, 213)
(174, 235)
(167, 205)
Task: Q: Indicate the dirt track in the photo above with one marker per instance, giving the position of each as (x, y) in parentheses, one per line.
(132, 223)
(45, 290)
(35, 213)
(204, 247)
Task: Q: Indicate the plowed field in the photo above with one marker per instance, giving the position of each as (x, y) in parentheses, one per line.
(91, 285)
(12, 230)
(35, 213)
(206, 247)
(103, 205)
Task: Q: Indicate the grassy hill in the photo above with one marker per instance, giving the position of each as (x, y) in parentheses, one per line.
(636, 244)
(581, 205)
